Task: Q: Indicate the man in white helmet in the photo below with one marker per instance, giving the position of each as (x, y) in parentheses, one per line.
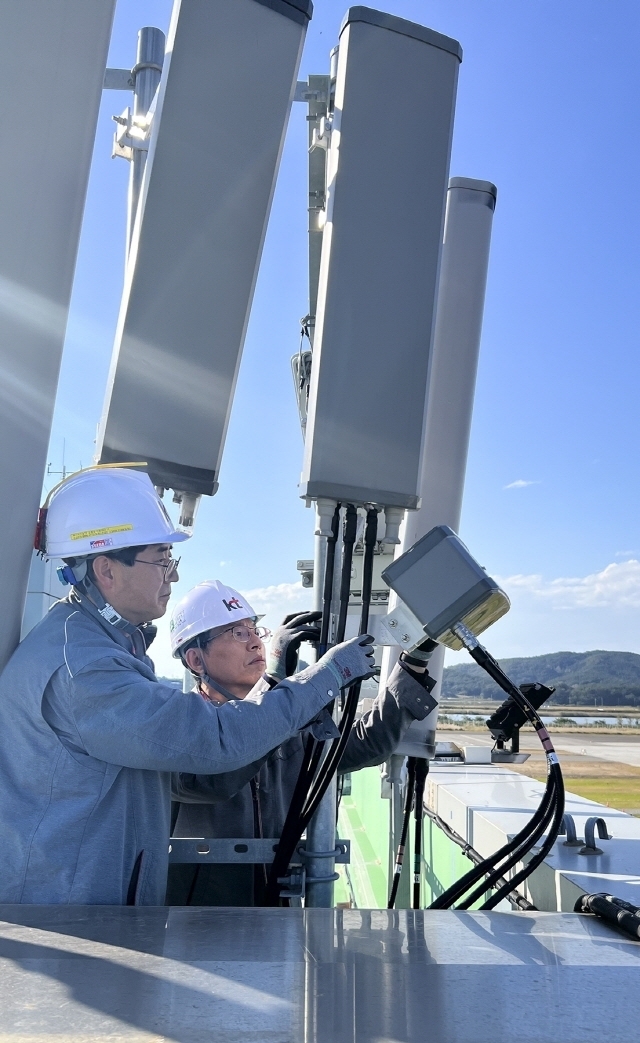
(214, 633)
(89, 736)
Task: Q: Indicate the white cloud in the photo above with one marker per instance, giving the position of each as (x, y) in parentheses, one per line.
(625, 553)
(520, 483)
(617, 586)
(280, 599)
(567, 614)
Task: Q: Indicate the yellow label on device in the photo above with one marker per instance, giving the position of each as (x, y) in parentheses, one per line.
(100, 532)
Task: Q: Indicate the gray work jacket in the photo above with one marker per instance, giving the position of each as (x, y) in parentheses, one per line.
(254, 801)
(88, 740)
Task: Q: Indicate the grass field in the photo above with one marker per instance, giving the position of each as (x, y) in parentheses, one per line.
(614, 791)
(614, 785)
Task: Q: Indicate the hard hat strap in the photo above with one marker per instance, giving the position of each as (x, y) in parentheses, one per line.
(209, 681)
(86, 588)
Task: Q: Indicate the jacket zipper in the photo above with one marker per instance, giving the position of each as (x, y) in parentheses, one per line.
(257, 816)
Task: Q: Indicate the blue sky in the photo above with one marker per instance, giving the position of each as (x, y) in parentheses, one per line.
(547, 109)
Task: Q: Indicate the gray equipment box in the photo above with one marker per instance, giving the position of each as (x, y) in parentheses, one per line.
(441, 584)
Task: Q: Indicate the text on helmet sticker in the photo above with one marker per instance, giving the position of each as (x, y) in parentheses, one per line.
(177, 621)
(100, 544)
(232, 604)
(99, 532)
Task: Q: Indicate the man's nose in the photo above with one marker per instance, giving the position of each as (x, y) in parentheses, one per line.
(254, 641)
(174, 576)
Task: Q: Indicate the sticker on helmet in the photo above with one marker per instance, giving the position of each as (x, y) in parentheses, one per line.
(177, 621)
(232, 604)
(101, 544)
(88, 533)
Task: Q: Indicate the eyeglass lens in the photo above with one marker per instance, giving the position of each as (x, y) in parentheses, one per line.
(170, 567)
(244, 633)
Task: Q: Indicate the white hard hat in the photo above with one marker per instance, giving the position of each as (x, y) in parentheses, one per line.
(210, 604)
(103, 509)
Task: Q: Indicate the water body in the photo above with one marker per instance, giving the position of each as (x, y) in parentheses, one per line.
(624, 722)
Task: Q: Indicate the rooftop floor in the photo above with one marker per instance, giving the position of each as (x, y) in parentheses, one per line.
(118, 975)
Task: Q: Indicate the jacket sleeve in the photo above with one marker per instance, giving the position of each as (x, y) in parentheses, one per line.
(212, 789)
(375, 736)
(112, 712)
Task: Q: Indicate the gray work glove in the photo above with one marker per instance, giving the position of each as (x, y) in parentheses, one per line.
(350, 661)
(282, 659)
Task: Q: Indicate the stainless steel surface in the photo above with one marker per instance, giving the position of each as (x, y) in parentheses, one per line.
(321, 975)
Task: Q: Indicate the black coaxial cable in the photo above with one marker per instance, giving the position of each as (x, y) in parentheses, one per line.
(422, 768)
(406, 815)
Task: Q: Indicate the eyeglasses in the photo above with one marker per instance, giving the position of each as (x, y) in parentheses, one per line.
(170, 567)
(243, 633)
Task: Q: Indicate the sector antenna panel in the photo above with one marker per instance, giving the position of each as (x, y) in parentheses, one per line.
(224, 101)
(52, 60)
(387, 174)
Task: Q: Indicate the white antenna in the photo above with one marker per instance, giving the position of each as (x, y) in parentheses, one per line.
(47, 121)
(214, 152)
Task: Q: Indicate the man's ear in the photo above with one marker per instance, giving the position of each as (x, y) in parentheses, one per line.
(104, 572)
(193, 658)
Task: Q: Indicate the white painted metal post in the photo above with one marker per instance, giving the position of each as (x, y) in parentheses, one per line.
(451, 386)
(452, 379)
(52, 62)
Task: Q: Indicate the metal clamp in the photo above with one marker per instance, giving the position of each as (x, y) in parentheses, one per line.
(145, 65)
(590, 827)
(568, 829)
(341, 853)
(294, 883)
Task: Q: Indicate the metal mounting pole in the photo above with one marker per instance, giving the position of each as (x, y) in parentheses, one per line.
(321, 831)
(319, 103)
(146, 77)
(321, 840)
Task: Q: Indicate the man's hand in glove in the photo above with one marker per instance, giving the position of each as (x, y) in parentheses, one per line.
(282, 660)
(350, 661)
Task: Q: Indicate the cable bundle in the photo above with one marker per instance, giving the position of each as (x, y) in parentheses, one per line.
(315, 777)
(417, 771)
(548, 815)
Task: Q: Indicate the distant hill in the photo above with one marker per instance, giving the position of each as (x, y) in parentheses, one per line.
(580, 678)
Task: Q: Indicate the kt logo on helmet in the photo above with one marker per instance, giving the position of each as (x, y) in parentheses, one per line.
(231, 604)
